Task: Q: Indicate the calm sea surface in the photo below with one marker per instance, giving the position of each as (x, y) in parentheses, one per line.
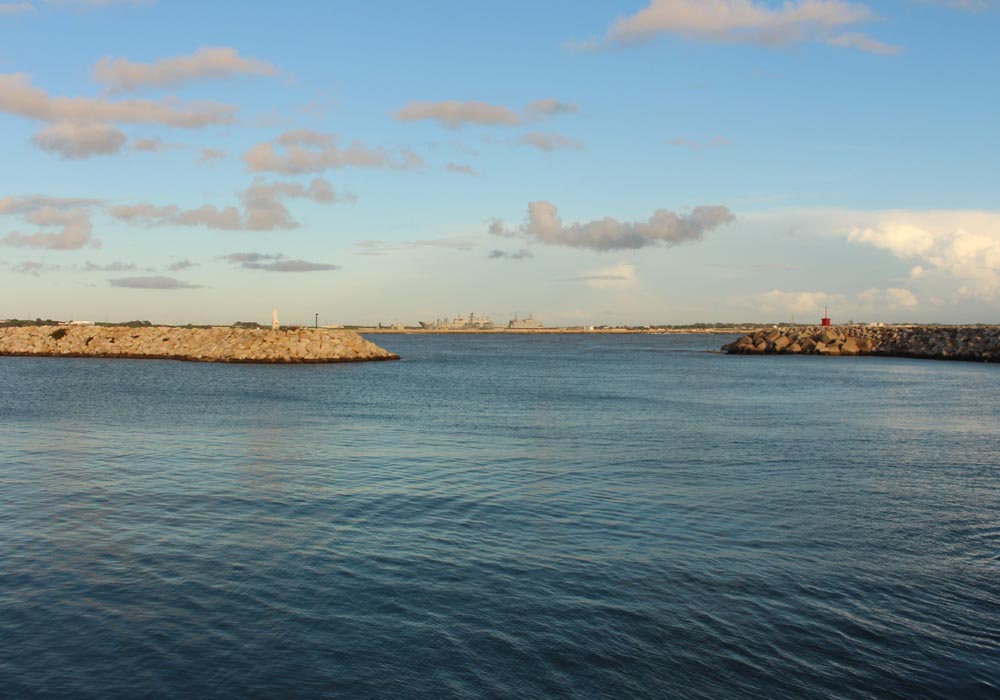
(501, 517)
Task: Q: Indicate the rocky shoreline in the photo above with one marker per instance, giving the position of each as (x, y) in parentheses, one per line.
(192, 344)
(967, 343)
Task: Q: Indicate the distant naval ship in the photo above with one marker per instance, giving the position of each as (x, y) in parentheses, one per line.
(525, 323)
(460, 323)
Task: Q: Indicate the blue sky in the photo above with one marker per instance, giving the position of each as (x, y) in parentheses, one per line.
(655, 161)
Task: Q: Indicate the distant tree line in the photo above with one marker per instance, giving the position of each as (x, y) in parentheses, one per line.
(28, 322)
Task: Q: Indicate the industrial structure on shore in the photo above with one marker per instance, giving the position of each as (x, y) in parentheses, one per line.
(460, 323)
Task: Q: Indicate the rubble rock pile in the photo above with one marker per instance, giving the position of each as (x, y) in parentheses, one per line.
(194, 344)
(972, 343)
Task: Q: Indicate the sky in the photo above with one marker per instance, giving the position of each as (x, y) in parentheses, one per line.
(630, 162)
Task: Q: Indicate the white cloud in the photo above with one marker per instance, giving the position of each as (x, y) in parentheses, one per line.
(71, 218)
(664, 227)
(77, 141)
(308, 151)
(964, 246)
(262, 208)
(121, 75)
(550, 142)
(745, 21)
(19, 97)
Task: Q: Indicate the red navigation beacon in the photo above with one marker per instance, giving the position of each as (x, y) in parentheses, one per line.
(826, 316)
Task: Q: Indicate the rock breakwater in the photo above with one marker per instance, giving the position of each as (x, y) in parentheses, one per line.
(970, 343)
(193, 344)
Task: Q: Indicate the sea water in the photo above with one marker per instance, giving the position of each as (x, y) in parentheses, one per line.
(529, 516)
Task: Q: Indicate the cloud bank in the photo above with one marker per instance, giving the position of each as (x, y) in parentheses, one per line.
(275, 263)
(154, 282)
(746, 22)
(19, 97)
(261, 208)
(70, 216)
(663, 228)
(121, 75)
(963, 246)
(76, 141)
(308, 151)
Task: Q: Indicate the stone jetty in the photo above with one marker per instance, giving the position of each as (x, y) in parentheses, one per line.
(193, 344)
(971, 343)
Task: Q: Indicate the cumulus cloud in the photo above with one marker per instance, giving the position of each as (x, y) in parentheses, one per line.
(745, 21)
(78, 141)
(19, 97)
(71, 218)
(275, 262)
(664, 228)
(521, 254)
(121, 75)
(461, 169)
(549, 142)
(964, 246)
(261, 208)
(308, 151)
(154, 282)
(15, 8)
(454, 114)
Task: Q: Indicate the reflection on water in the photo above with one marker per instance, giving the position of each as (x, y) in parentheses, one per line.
(531, 516)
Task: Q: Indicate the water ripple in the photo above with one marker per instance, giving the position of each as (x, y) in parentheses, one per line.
(525, 517)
